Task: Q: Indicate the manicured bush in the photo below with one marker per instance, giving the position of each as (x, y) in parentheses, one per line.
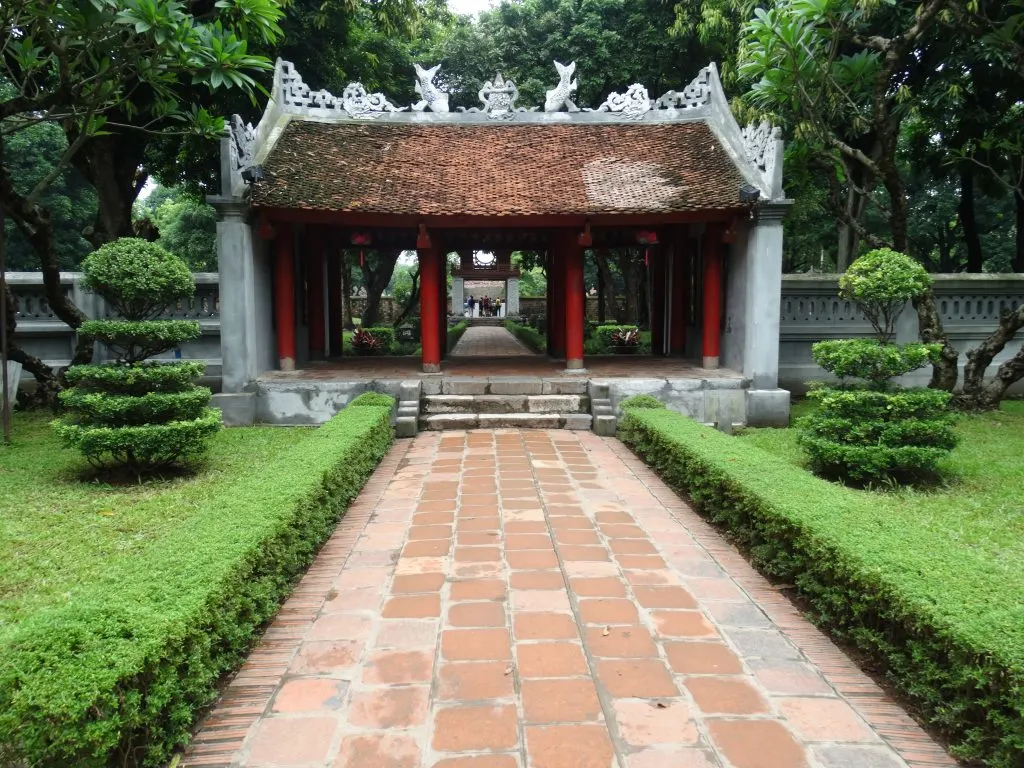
(365, 343)
(385, 335)
(455, 333)
(606, 333)
(372, 400)
(642, 401)
(118, 676)
(141, 416)
(954, 645)
(533, 339)
(861, 432)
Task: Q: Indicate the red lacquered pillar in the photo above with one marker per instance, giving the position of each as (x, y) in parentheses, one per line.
(315, 289)
(284, 297)
(430, 309)
(712, 318)
(575, 296)
(335, 322)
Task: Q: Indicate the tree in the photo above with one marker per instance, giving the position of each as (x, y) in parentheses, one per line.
(56, 55)
(186, 226)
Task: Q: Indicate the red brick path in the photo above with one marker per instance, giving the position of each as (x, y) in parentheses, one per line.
(541, 599)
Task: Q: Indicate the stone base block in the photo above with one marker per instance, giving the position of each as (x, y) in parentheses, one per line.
(406, 426)
(580, 421)
(236, 409)
(768, 407)
(606, 426)
(409, 390)
(554, 404)
(565, 386)
(464, 386)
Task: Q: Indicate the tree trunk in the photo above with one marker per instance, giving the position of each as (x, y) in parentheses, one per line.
(600, 298)
(114, 166)
(848, 245)
(346, 290)
(975, 394)
(414, 296)
(376, 279)
(944, 372)
(47, 383)
(1008, 374)
(969, 222)
(607, 283)
(1018, 257)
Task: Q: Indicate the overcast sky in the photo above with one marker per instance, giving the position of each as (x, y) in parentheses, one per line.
(469, 6)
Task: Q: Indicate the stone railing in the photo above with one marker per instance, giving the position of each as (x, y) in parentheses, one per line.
(41, 333)
(811, 311)
(969, 306)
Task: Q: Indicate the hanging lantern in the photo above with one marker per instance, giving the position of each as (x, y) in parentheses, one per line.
(646, 237)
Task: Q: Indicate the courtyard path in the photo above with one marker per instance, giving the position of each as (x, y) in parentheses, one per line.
(489, 341)
(540, 599)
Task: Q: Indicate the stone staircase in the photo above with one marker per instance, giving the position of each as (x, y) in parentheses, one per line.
(482, 322)
(522, 403)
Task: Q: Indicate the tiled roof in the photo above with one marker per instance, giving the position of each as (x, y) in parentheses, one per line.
(499, 170)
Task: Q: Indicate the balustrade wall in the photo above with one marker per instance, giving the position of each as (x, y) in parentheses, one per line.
(969, 305)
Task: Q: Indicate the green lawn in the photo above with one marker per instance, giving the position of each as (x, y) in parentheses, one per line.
(57, 534)
(980, 509)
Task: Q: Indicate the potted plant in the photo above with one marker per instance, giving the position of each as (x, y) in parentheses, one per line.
(625, 341)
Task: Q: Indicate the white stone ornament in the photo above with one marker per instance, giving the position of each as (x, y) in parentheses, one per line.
(499, 97)
(431, 97)
(759, 145)
(243, 141)
(696, 94)
(632, 105)
(561, 94)
(365, 106)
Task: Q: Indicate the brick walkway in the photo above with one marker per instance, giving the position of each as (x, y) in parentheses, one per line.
(489, 341)
(540, 599)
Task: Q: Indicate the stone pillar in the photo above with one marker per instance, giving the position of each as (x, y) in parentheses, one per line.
(239, 341)
(512, 296)
(458, 296)
(430, 309)
(284, 297)
(763, 299)
(712, 317)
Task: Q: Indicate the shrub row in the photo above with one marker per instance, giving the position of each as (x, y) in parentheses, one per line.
(117, 677)
(455, 333)
(951, 647)
(532, 338)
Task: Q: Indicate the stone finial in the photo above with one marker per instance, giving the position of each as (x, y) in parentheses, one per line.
(499, 97)
(633, 104)
(360, 104)
(759, 145)
(243, 142)
(561, 94)
(431, 97)
(696, 94)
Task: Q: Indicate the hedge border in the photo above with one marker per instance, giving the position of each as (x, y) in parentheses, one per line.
(966, 691)
(119, 677)
(532, 339)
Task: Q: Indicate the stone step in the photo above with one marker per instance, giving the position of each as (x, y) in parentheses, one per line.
(447, 421)
(437, 404)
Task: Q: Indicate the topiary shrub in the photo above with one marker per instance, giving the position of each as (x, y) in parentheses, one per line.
(642, 401)
(872, 430)
(140, 415)
(373, 400)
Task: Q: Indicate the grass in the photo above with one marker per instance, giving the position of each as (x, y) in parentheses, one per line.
(58, 534)
(977, 513)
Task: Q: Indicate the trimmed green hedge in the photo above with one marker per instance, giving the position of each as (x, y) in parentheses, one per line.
(119, 676)
(455, 333)
(953, 645)
(533, 339)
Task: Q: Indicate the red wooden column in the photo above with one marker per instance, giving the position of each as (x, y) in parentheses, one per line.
(315, 291)
(335, 321)
(680, 268)
(284, 297)
(712, 319)
(430, 308)
(575, 301)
